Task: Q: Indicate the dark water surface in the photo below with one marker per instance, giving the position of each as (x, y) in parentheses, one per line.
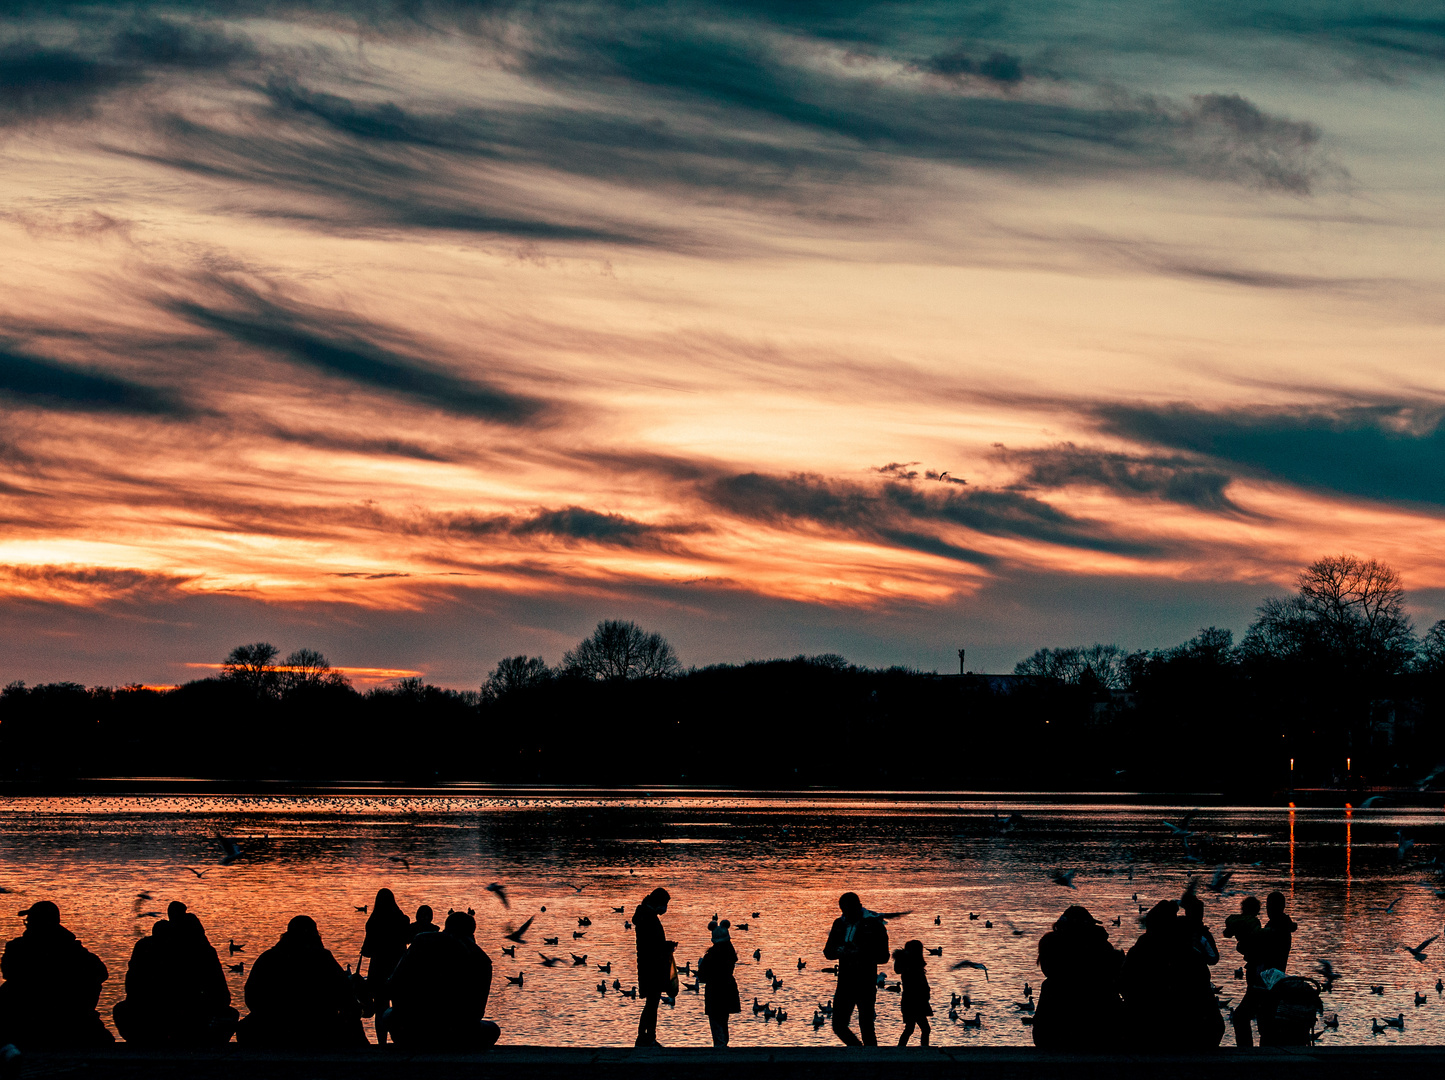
(786, 859)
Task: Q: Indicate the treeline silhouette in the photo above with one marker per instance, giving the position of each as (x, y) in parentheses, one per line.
(1329, 686)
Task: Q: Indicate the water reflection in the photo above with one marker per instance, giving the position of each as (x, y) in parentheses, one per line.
(787, 860)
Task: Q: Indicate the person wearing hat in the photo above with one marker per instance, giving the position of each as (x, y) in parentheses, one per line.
(1079, 1006)
(52, 984)
(439, 991)
(655, 970)
(858, 942)
(1165, 983)
(715, 972)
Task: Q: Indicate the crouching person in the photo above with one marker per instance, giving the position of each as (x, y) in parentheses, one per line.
(439, 991)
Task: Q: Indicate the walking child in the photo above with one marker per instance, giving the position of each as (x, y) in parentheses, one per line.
(909, 965)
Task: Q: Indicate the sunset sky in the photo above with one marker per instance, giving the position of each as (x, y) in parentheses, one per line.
(429, 333)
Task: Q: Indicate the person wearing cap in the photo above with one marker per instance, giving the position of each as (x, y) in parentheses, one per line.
(1165, 983)
(654, 962)
(299, 997)
(715, 972)
(439, 991)
(1079, 1006)
(175, 990)
(52, 984)
(858, 941)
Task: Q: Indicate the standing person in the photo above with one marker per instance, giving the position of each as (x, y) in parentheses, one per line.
(1200, 938)
(1165, 982)
(908, 965)
(388, 933)
(1263, 948)
(858, 941)
(1079, 1006)
(715, 972)
(299, 997)
(654, 962)
(52, 984)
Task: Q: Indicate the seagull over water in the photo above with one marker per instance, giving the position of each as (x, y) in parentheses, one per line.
(972, 964)
(1418, 952)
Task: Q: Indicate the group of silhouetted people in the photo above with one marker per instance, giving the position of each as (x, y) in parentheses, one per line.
(428, 985)
(1157, 996)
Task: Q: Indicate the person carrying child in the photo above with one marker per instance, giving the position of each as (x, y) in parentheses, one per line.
(908, 964)
(715, 972)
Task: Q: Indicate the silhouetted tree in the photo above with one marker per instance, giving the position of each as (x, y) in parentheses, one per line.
(620, 649)
(1431, 657)
(253, 666)
(515, 673)
(1102, 665)
(307, 669)
(1347, 612)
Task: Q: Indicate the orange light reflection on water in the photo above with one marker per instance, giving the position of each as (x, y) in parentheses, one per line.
(1291, 851)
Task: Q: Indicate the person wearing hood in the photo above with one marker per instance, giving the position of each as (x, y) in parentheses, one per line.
(715, 972)
(911, 969)
(858, 942)
(175, 989)
(52, 985)
(1079, 1007)
(1165, 982)
(440, 990)
(388, 933)
(654, 962)
(299, 997)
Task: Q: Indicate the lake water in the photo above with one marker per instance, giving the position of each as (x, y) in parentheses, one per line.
(785, 859)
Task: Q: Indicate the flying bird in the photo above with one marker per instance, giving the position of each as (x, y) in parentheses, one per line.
(199, 873)
(400, 859)
(575, 888)
(1219, 880)
(972, 964)
(1063, 877)
(231, 851)
(516, 935)
(1388, 909)
(549, 961)
(1418, 952)
(501, 891)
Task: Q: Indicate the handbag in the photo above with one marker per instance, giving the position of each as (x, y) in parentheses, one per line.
(361, 990)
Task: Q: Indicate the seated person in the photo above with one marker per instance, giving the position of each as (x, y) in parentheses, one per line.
(52, 984)
(439, 991)
(175, 990)
(299, 997)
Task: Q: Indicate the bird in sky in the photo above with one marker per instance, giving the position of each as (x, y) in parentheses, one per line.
(1219, 880)
(1418, 952)
(516, 935)
(1388, 909)
(549, 961)
(1402, 851)
(1063, 877)
(199, 873)
(500, 890)
(972, 964)
(1182, 829)
(575, 888)
(231, 851)
(399, 859)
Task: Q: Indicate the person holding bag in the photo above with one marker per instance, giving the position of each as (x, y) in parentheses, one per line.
(656, 972)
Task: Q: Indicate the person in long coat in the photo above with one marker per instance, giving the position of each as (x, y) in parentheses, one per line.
(388, 933)
(654, 961)
(175, 989)
(720, 987)
(299, 997)
(1079, 1006)
(1165, 982)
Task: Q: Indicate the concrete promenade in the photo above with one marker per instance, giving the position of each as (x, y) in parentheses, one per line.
(787, 1063)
